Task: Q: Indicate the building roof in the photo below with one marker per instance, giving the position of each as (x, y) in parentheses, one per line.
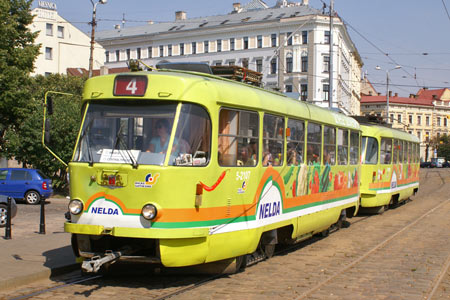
(396, 100)
(430, 94)
(253, 12)
(80, 72)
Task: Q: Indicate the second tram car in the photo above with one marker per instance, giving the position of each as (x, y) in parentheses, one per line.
(390, 166)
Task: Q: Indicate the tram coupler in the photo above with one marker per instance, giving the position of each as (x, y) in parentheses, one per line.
(95, 263)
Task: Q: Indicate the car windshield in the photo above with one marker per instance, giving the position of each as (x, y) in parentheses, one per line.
(141, 134)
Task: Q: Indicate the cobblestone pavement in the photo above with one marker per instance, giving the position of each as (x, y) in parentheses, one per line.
(401, 254)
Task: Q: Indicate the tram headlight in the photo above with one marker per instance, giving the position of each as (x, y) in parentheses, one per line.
(75, 206)
(149, 211)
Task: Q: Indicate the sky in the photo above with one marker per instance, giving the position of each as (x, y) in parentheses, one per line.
(413, 34)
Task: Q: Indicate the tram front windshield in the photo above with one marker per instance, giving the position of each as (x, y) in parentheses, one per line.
(142, 133)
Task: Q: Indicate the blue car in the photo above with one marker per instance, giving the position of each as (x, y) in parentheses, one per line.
(4, 210)
(28, 184)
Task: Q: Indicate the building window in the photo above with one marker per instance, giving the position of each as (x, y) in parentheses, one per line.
(419, 120)
(206, 46)
(326, 64)
(246, 42)
(445, 122)
(273, 66)
(231, 63)
(128, 54)
(304, 63)
(399, 118)
(391, 118)
(194, 48)
(46, 74)
(419, 136)
(232, 44)
(303, 92)
(161, 51)
(117, 55)
(410, 119)
(49, 29)
(150, 52)
(169, 50)
(289, 63)
(138, 53)
(245, 63)
(182, 49)
(259, 65)
(48, 53)
(304, 37)
(274, 39)
(219, 63)
(289, 38)
(427, 136)
(427, 121)
(260, 41)
(61, 32)
(438, 121)
(327, 37)
(288, 88)
(219, 45)
(107, 56)
(326, 92)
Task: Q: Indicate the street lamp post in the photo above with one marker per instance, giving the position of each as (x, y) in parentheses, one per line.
(387, 88)
(93, 24)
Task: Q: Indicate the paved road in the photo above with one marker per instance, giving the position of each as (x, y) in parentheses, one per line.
(402, 254)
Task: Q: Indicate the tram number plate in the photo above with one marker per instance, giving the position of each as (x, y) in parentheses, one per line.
(126, 85)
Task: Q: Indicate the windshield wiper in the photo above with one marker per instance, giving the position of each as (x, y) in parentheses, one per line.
(120, 140)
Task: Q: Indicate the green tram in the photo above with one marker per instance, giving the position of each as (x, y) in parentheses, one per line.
(390, 167)
(181, 168)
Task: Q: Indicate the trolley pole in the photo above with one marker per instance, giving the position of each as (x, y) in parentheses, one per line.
(42, 223)
(8, 220)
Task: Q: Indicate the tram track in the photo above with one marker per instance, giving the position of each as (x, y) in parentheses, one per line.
(375, 249)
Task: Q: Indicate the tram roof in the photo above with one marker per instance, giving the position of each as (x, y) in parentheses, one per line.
(174, 85)
(383, 131)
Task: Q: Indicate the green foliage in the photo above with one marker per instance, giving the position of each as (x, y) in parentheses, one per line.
(443, 148)
(25, 142)
(17, 55)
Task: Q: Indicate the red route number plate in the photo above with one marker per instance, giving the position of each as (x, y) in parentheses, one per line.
(130, 85)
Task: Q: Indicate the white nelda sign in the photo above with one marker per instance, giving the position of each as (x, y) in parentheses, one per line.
(47, 5)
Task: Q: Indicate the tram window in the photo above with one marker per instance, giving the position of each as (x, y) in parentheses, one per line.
(273, 140)
(314, 139)
(400, 151)
(386, 151)
(295, 142)
(238, 138)
(371, 150)
(405, 152)
(409, 160)
(192, 143)
(342, 146)
(329, 145)
(395, 152)
(354, 147)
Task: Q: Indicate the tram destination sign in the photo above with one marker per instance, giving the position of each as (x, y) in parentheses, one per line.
(130, 85)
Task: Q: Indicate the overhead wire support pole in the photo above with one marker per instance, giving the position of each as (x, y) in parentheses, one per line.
(330, 92)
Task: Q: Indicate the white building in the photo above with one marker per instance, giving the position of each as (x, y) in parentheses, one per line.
(288, 43)
(62, 44)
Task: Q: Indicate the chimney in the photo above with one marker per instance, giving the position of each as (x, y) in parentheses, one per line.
(379, 94)
(434, 97)
(180, 15)
(411, 95)
(104, 70)
(236, 7)
(396, 95)
(150, 22)
(117, 26)
(305, 2)
(390, 93)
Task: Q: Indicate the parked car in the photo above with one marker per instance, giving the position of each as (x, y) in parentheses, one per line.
(30, 185)
(428, 164)
(446, 164)
(4, 209)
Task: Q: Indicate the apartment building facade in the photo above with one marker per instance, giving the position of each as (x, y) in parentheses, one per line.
(288, 43)
(62, 44)
(425, 115)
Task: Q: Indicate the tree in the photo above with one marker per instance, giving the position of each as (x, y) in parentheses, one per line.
(24, 143)
(17, 55)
